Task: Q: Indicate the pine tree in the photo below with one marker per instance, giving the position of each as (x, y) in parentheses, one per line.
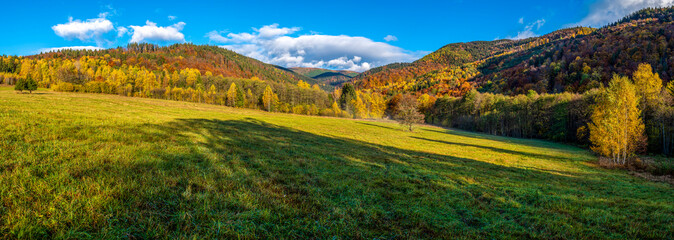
(20, 85)
(240, 98)
(30, 85)
(348, 94)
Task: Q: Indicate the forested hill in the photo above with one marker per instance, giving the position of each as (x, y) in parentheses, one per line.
(183, 72)
(448, 70)
(572, 60)
(331, 78)
(213, 59)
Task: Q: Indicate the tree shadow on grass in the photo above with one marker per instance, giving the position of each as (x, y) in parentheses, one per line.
(487, 136)
(375, 125)
(251, 179)
(495, 149)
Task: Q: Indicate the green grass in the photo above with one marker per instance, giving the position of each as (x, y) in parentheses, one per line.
(102, 166)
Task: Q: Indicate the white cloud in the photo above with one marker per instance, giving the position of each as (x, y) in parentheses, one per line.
(528, 30)
(272, 44)
(608, 11)
(73, 48)
(171, 17)
(121, 31)
(273, 30)
(216, 37)
(151, 32)
(88, 30)
(390, 38)
(521, 21)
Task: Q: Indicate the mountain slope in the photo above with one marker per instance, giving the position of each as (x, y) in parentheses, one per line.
(574, 60)
(446, 70)
(213, 59)
(182, 72)
(579, 64)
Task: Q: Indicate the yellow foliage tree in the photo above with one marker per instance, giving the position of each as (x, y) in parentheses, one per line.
(359, 108)
(303, 85)
(269, 99)
(649, 84)
(231, 95)
(336, 110)
(212, 92)
(250, 100)
(617, 130)
(191, 75)
(425, 102)
(377, 105)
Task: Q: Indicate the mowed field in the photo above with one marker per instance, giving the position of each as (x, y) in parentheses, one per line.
(102, 166)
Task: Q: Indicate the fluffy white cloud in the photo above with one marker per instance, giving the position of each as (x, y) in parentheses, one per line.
(528, 30)
(607, 11)
(171, 17)
(73, 47)
(272, 44)
(391, 38)
(152, 32)
(88, 30)
(273, 30)
(121, 31)
(521, 21)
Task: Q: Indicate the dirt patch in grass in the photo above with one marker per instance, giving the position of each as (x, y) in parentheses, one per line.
(653, 169)
(664, 178)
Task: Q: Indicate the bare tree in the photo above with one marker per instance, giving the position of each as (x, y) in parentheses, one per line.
(406, 112)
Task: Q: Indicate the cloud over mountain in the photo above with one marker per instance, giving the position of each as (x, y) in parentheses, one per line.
(275, 45)
(152, 32)
(528, 31)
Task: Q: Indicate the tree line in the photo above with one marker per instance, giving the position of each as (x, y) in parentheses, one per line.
(96, 74)
(640, 110)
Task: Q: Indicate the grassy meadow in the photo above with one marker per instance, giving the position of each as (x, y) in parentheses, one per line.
(82, 166)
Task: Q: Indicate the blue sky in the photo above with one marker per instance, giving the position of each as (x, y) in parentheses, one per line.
(354, 35)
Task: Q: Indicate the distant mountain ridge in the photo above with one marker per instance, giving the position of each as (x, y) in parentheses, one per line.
(334, 78)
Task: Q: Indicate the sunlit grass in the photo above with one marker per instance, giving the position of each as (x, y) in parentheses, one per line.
(103, 166)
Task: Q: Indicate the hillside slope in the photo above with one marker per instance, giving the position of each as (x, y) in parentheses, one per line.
(450, 69)
(82, 166)
(572, 60)
(213, 59)
(184, 72)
